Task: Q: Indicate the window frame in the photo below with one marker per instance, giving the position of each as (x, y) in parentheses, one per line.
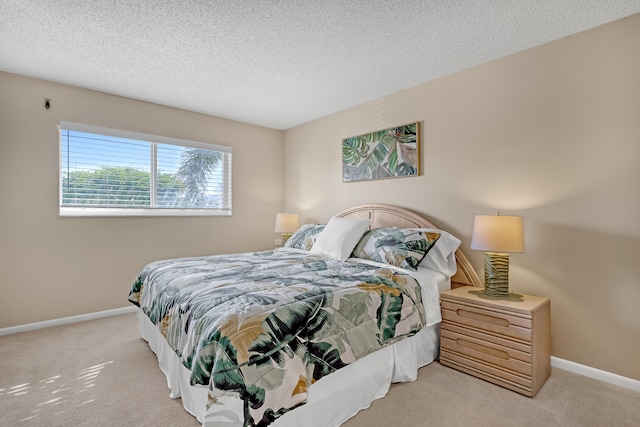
(76, 211)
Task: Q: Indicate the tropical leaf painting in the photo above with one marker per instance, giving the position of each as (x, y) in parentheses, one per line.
(389, 153)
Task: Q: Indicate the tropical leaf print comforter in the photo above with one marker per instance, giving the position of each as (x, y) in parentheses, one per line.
(264, 326)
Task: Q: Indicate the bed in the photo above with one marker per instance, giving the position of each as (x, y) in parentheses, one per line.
(333, 371)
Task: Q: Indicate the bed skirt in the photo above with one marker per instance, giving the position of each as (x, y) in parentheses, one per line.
(331, 401)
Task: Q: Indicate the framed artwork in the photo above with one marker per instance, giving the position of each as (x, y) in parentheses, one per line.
(389, 153)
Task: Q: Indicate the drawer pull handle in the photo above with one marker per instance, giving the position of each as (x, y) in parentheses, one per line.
(482, 349)
(483, 318)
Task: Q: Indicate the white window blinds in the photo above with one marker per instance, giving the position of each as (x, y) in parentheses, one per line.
(112, 172)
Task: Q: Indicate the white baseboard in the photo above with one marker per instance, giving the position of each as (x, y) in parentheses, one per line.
(594, 373)
(67, 320)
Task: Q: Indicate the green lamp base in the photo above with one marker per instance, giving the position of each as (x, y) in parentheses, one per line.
(285, 237)
(496, 274)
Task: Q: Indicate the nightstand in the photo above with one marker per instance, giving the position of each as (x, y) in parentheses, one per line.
(504, 340)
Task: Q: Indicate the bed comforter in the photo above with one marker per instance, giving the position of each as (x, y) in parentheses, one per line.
(264, 326)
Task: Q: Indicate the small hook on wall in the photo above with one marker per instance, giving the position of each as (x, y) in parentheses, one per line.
(47, 103)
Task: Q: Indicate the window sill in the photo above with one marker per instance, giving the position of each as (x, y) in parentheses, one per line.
(123, 212)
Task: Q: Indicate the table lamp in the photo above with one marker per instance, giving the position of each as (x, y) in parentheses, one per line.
(287, 224)
(497, 234)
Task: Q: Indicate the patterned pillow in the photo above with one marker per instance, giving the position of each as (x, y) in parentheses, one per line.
(305, 237)
(396, 246)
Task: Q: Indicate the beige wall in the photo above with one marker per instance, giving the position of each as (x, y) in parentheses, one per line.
(52, 267)
(552, 134)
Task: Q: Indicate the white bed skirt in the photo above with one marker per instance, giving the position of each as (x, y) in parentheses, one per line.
(331, 401)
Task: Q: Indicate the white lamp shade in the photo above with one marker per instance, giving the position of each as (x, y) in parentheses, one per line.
(287, 223)
(498, 233)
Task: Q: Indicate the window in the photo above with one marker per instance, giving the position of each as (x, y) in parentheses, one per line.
(109, 172)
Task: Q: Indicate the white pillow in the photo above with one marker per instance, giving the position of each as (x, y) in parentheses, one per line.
(442, 256)
(339, 237)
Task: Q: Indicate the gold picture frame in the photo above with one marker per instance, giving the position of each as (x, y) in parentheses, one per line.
(388, 153)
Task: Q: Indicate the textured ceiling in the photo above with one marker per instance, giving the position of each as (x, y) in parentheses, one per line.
(276, 63)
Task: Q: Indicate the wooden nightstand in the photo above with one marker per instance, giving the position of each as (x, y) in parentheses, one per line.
(504, 340)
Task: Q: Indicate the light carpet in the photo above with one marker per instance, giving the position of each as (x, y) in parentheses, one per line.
(101, 373)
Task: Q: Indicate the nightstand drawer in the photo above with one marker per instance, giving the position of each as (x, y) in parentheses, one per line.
(510, 380)
(493, 321)
(482, 335)
(487, 352)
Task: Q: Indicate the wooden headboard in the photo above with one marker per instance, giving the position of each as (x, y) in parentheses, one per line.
(393, 216)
